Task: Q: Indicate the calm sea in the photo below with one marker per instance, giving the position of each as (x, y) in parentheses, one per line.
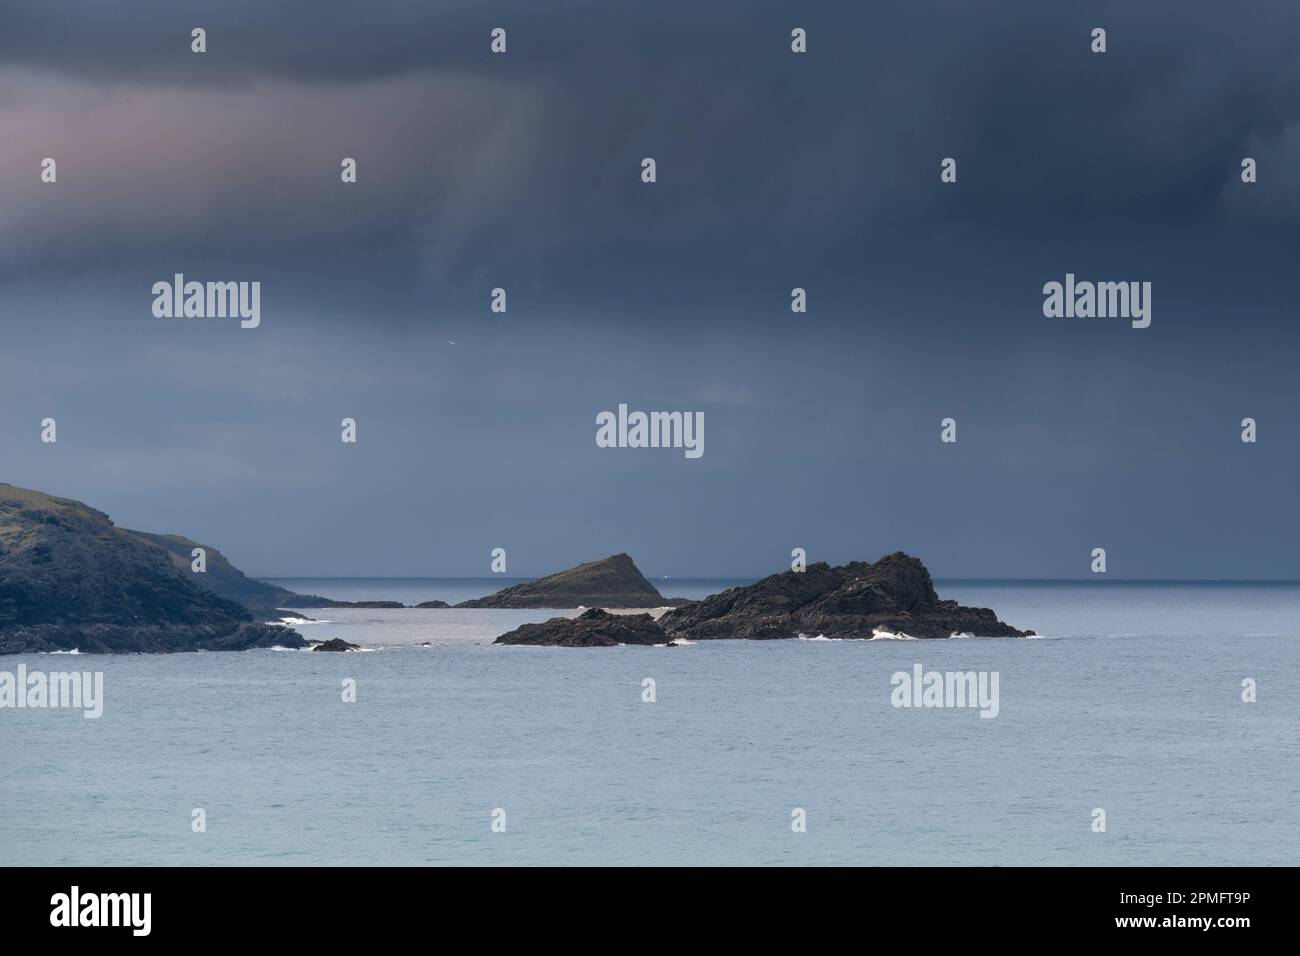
(1131, 703)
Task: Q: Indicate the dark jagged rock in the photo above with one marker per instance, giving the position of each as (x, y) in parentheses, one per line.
(612, 582)
(593, 628)
(70, 579)
(895, 594)
(433, 604)
(335, 644)
(225, 580)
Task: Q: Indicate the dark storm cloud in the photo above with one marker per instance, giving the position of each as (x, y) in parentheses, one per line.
(527, 162)
(775, 170)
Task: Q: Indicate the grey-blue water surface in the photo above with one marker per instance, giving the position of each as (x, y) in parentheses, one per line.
(1131, 702)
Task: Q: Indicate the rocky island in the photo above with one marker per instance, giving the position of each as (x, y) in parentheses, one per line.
(70, 579)
(894, 595)
(860, 600)
(612, 582)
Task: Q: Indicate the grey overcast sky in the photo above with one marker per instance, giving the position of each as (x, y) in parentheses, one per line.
(775, 170)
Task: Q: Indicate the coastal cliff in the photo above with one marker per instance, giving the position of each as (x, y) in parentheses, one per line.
(225, 580)
(70, 579)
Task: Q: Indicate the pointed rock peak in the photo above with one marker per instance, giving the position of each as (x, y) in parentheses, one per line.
(621, 562)
(610, 582)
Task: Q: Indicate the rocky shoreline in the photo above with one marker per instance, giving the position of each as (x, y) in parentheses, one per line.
(71, 580)
(148, 639)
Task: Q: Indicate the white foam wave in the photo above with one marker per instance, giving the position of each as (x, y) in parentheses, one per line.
(880, 634)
